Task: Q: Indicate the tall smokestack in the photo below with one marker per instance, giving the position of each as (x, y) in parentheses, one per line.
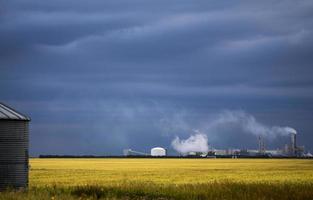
(293, 143)
(261, 145)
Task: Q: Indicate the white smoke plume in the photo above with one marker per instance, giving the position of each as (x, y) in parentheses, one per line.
(249, 124)
(227, 120)
(195, 143)
(290, 130)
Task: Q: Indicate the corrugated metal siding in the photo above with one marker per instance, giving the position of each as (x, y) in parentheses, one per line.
(9, 113)
(13, 154)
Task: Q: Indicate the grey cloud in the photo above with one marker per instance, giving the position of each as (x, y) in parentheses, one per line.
(138, 64)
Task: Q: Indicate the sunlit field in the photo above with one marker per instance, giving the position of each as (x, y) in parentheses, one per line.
(168, 179)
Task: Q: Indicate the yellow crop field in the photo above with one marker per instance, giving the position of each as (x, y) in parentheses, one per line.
(169, 179)
(167, 171)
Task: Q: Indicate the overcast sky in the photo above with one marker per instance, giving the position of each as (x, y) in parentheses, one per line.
(100, 76)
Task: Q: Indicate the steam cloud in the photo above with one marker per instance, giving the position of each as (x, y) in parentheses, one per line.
(198, 142)
(249, 124)
(195, 143)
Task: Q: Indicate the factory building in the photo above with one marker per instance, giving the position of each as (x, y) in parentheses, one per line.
(158, 152)
(155, 152)
(14, 133)
(290, 150)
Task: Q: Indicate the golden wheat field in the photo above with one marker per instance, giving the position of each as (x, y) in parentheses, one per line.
(168, 179)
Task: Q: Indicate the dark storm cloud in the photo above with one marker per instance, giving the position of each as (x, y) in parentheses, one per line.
(108, 73)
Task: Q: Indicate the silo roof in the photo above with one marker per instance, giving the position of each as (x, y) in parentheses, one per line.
(8, 113)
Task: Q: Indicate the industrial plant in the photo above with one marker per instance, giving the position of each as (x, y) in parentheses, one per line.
(155, 152)
(291, 150)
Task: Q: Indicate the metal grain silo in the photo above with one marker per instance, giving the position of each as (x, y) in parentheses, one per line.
(13, 148)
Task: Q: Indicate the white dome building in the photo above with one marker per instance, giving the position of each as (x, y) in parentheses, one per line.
(158, 151)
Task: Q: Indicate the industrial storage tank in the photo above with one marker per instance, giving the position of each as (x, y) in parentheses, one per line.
(14, 133)
(158, 151)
